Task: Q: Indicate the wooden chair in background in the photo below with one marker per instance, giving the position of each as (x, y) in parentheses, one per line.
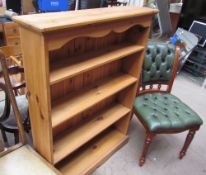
(15, 66)
(159, 111)
(7, 117)
(21, 159)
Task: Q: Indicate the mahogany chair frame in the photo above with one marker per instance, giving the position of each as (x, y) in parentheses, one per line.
(150, 88)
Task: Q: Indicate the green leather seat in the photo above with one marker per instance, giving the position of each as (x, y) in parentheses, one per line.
(165, 112)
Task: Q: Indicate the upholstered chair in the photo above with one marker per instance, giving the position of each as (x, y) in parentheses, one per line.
(158, 110)
(8, 123)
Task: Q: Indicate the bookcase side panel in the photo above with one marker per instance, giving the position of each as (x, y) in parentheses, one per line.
(36, 73)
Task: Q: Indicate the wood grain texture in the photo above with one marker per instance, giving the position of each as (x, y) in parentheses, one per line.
(83, 63)
(86, 132)
(68, 68)
(37, 80)
(11, 35)
(97, 152)
(56, 39)
(83, 80)
(68, 107)
(57, 21)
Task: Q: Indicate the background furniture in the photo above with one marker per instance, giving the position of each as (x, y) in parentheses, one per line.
(83, 81)
(16, 71)
(159, 111)
(115, 3)
(11, 35)
(1, 145)
(192, 10)
(7, 119)
(27, 6)
(174, 17)
(15, 5)
(196, 62)
(164, 18)
(21, 159)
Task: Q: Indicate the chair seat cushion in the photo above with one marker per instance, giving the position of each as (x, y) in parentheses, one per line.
(161, 112)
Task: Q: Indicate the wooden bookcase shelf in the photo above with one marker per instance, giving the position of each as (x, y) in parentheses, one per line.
(65, 69)
(68, 107)
(94, 154)
(82, 73)
(88, 131)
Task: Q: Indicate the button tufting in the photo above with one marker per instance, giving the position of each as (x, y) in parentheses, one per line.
(187, 112)
(154, 116)
(148, 52)
(168, 68)
(158, 50)
(148, 70)
(169, 52)
(154, 109)
(164, 115)
(145, 98)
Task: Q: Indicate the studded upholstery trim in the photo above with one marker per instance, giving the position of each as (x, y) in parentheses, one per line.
(158, 63)
(165, 111)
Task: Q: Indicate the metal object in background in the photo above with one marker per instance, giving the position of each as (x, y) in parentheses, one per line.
(187, 41)
(199, 28)
(164, 17)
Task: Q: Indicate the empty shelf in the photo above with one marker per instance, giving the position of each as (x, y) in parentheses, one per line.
(67, 107)
(68, 142)
(72, 66)
(96, 153)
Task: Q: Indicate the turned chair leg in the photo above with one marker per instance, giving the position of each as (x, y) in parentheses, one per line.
(16, 137)
(148, 140)
(188, 140)
(3, 133)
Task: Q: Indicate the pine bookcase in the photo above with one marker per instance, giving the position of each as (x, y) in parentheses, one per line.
(82, 70)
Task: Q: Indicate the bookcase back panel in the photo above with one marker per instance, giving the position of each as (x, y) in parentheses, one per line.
(80, 45)
(57, 39)
(85, 116)
(83, 80)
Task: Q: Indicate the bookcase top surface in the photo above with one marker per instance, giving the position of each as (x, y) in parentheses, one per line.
(47, 22)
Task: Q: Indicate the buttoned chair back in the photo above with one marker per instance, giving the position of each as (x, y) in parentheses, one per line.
(159, 68)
